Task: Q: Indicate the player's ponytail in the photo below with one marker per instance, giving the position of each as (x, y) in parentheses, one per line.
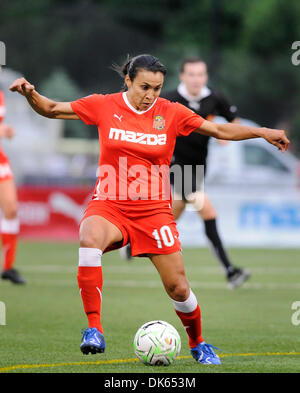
(133, 65)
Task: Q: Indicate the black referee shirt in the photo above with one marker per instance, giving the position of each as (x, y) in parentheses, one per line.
(192, 149)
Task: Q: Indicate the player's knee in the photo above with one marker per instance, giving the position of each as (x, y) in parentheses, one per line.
(10, 212)
(90, 240)
(208, 212)
(178, 291)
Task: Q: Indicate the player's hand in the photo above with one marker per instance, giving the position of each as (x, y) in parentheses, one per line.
(22, 86)
(7, 131)
(277, 138)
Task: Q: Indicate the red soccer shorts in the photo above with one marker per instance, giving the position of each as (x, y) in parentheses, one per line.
(149, 226)
(5, 168)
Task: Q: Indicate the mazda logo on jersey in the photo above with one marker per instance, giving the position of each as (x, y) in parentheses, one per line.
(137, 137)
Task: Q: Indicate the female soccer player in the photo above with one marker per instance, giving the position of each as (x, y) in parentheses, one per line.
(137, 134)
(191, 152)
(8, 204)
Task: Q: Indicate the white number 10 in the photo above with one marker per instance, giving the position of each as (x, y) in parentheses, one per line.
(165, 236)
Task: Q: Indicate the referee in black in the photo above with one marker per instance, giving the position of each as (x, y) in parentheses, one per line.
(191, 151)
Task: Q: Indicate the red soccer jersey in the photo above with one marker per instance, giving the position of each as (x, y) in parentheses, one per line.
(136, 147)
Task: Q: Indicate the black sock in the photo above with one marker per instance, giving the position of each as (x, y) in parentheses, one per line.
(213, 236)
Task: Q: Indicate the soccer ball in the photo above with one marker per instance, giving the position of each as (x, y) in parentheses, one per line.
(157, 343)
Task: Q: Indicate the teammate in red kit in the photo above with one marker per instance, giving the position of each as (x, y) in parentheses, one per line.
(8, 204)
(137, 134)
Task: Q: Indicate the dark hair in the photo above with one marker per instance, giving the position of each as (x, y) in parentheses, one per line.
(142, 62)
(193, 59)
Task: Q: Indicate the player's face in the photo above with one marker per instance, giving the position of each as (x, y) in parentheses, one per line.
(144, 89)
(194, 76)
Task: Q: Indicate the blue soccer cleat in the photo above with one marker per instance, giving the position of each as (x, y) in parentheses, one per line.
(204, 353)
(92, 341)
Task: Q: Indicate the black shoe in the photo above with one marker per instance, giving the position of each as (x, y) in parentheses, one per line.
(236, 277)
(13, 275)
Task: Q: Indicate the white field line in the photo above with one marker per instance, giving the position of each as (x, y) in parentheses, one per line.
(135, 360)
(135, 269)
(157, 284)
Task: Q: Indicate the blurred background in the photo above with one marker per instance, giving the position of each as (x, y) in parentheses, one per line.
(66, 48)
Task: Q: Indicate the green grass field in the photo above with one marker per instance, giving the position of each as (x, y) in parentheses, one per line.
(252, 325)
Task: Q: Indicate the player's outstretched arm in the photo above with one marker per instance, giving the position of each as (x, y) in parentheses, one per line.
(237, 132)
(43, 105)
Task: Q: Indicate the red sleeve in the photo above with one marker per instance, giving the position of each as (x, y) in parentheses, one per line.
(187, 120)
(88, 108)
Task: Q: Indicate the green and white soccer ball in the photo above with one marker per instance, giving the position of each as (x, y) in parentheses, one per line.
(157, 343)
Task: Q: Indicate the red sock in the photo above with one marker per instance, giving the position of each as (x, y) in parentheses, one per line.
(9, 247)
(90, 281)
(192, 323)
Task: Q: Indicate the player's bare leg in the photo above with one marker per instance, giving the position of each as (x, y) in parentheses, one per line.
(8, 199)
(204, 206)
(96, 234)
(9, 230)
(178, 206)
(171, 270)
(172, 273)
(235, 276)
